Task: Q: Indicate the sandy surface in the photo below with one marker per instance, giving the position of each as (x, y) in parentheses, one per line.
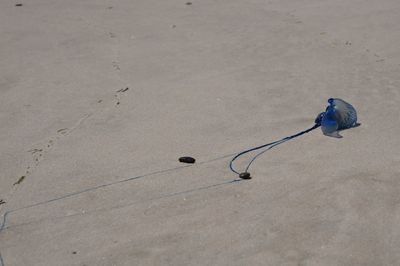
(102, 182)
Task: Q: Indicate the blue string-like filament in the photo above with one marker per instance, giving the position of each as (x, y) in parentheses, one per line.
(271, 145)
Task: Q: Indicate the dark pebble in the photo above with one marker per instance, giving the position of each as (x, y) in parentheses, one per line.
(187, 159)
(18, 4)
(188, 3)
(245, 175)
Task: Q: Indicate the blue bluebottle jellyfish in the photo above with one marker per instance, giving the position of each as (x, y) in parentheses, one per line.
(339, 115)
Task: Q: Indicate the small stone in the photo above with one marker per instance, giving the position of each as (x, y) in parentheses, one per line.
(188, 3)
(245, 175)
(18, 4)
(187, 159)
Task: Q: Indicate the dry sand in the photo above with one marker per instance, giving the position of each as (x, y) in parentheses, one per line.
(205, 80)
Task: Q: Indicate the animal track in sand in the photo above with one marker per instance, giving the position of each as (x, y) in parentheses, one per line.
(43, 148)
(19, 180)
(118, 95)
(116, 65)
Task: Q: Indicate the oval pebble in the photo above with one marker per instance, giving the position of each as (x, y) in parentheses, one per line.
(245, 175)
(187, 159)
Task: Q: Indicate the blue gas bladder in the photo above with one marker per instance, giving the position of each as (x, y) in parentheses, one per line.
(339, 115)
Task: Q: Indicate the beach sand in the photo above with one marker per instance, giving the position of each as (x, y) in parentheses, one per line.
(99, 99)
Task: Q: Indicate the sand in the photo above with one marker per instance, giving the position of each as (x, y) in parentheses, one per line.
(102, 183)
